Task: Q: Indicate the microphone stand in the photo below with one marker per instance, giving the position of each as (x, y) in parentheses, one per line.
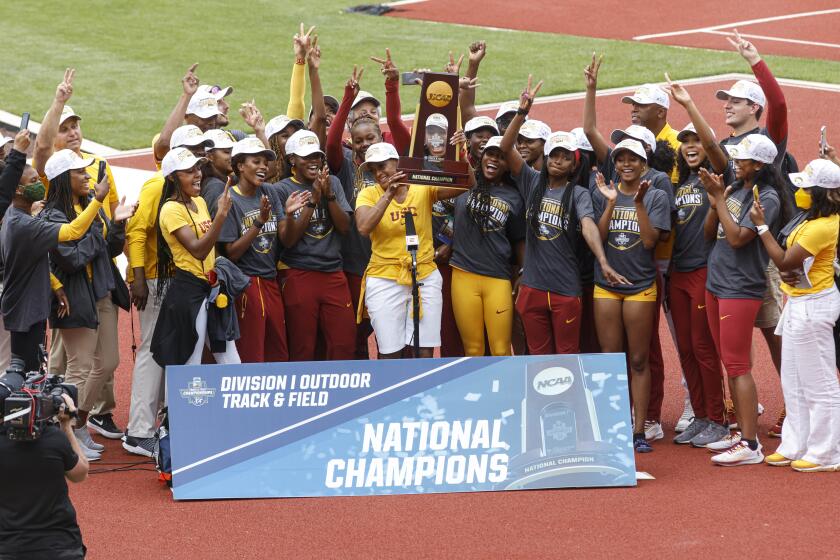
(415, 303)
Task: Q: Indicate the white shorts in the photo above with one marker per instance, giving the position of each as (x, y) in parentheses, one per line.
(389, 307)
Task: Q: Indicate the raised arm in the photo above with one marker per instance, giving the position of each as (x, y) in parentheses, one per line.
(610, 195)
(335, 154)
(297, 89)
(44, 142)
(736, 235)
(368, 217)
(777, 124)
(590, 125)
(526, 100)
(715, 153)
(200, 247)
(190, 85)
(235, 249)
(648, 233)
(785, 260)
(10, 176)
(393, 107)
(466, 98)
(318, 123)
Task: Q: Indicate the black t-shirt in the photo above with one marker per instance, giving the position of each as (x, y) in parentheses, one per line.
(35, 509)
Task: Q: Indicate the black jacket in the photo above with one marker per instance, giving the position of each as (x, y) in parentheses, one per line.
(69, 263)
(9, 181)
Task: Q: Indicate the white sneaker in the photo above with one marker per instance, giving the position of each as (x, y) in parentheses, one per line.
(89, 453)
(740, 454)
(685, 419)
(653, 430)
(724, 444)
(83, 435)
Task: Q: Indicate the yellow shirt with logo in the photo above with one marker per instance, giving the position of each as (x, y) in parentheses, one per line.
(141, 230)
(389, 258)
(175, 215)
(818, 237)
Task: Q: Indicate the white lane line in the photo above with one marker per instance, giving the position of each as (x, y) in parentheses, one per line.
(403, 3)
(780, 39)
(736, 24)
(319, 416)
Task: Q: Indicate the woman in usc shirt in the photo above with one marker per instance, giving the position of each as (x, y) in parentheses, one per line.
(315, 293)
(490, 223)
(249, 238)
(811, 432)
(687, 290)
(186, 254)
(632, 218)
(736, 282)
(380, 214)
(559, 220)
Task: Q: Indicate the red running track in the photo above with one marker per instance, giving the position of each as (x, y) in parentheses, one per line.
(613, 19)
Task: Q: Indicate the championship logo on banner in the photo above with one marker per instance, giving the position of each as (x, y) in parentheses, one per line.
(400, 426)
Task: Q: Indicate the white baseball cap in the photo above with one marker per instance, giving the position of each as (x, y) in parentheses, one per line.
(203, 105)
(743, 89)
(689, 129)
(252, 146)
(178, 159)
(189, 135)
(819, 173)
(648, 94)
(278, 123)
(67, 113)
(480, 122)
(364, 96)
(535, 130)
(634, 132)
(507, 107)
(560, 139)
(630, 145)
(438, 120)
(218, 92)
(303, 143)
(64, 160)
(5, 140)
(221, 139)
(582, 140)
(756, 147)
(379, 152)
(493, 142)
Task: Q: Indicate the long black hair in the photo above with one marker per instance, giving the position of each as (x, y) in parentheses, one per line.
(685, 171)
(165, 265)
(61, 197)
(768, 177)
(824, 203)
(479, 201)
(535, 197)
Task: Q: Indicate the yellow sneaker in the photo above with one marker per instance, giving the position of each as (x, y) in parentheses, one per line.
(777, 460)
(807, 466)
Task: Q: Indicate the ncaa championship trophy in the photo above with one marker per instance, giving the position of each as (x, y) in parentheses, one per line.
(438, 98)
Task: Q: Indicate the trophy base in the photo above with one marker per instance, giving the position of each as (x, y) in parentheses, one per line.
(450, 174)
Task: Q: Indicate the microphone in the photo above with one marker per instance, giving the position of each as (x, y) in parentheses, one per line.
(412, 241)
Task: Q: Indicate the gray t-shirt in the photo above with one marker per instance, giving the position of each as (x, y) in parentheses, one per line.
(355, 249)
(261, 257)
(741, 273)
(210, 192)
(551, 262)
(658, 179)
(25, 242)
(623, 247)
(691, 249)
(488, 252)
(320, 246)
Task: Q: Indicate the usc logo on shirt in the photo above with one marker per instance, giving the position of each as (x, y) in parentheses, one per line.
(204, 226)
(399, 215)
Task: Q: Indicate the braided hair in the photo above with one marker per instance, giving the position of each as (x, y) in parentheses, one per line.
(61, 197)
(283, 169)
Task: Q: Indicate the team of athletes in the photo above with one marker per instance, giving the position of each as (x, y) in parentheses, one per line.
(289, 244)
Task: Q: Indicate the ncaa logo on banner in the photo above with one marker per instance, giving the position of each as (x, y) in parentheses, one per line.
(197, 393)
(553, 381)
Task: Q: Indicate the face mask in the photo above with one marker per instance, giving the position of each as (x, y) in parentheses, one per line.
(803, 199)
(34, 191)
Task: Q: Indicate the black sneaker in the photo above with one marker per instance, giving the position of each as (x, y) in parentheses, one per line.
(140, 446)
(104, 426)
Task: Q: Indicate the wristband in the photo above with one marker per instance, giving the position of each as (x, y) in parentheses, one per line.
(762, 228)
(300, 61)
(311, 204)
(521, 111)
(331, 198)
(258, 224)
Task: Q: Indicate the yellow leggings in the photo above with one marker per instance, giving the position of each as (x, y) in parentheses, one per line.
(479, 303)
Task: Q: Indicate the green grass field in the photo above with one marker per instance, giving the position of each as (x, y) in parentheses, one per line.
(130, 57)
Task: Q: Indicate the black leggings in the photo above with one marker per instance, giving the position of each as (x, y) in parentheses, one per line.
(25, 344)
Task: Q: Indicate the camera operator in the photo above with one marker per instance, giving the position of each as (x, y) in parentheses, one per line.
(37, 519)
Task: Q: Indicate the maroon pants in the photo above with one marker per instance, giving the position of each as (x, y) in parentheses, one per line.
(319, 300)
(695, 345)
(588, 334)
(363, 329)
(450, 339)
(552, 321)
(262, 323)
(731, 322)
(657, 364)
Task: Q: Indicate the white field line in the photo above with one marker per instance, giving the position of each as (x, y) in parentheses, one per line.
(780, 39)
(403, 3)
(736, 24)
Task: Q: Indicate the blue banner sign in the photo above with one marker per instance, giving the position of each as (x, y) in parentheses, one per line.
(400, 426)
